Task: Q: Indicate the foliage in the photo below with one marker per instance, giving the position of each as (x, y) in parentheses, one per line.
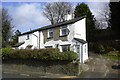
(108, 49)
(15, 38)
(112, 55)
(104, 46)
(39, 54)
(101, 48)
(56, 11)
(6, 27)
(81, 10)
(115, 17)
(98, 48)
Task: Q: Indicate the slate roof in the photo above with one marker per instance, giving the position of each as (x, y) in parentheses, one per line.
(55, 25)
(18, 44)
(81, 40)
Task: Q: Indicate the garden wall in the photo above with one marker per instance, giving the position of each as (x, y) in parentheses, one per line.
(41, 60)
(57, 67)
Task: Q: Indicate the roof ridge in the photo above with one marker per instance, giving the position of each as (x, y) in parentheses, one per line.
(55, 25)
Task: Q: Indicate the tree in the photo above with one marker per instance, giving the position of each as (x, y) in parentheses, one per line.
(81, 10)
(6, 27)
(103, 21)
(15, 38)
(56, 11)
(115, 17)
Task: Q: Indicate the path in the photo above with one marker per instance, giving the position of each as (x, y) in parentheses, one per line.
(100, 67)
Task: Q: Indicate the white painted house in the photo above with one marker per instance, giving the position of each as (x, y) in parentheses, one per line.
(69, 35)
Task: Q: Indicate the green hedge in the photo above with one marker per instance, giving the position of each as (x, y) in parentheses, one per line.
(41, 54)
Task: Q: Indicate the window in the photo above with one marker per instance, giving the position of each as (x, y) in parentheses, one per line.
(27, 37)
(48, 46)
(50, 33)
(77, 48)
(85, 48)
(63, 31)
(65, 48)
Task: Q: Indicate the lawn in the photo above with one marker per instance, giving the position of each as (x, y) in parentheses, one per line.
(112, 55)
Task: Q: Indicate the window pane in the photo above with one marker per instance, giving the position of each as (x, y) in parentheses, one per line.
(50, 34)
(64, 32)
(27, 36)
(65, 48)
(48, 46)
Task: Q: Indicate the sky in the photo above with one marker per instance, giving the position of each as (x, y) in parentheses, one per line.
(29, 15)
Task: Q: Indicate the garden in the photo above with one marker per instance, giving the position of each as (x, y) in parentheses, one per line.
(107, 48)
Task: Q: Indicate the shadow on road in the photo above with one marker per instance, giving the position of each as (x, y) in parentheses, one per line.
(116, 67)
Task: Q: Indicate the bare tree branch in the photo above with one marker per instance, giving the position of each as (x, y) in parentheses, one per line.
(56, 11)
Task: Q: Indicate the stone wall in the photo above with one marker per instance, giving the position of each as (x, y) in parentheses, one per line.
(55, 67)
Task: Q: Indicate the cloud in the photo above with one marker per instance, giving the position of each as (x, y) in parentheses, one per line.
(28, 16)
(100, 10)
(97, 8)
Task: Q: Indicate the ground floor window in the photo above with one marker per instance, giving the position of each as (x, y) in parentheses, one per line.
(65, 48)
(48, 47)
(77, 48)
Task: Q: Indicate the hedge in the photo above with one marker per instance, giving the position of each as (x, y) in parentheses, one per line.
(39, 54)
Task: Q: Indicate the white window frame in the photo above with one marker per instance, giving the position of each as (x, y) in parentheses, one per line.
(61, 30)
(50, 31)
(68, 47)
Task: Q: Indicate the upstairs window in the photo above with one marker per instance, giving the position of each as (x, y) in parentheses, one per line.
(50, 33)
(27, 37)
(63, 31)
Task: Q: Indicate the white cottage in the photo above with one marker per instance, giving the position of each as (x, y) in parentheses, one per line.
(69, 35)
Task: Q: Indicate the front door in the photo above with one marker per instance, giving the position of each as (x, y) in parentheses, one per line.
(77, 47)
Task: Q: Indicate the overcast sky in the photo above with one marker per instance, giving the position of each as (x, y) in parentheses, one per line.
(29, 15)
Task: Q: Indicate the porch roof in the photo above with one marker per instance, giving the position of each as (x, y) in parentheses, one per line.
(18, 44)
(81, 40)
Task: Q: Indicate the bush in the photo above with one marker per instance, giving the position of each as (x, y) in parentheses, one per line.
(101, 48)
(38, 54)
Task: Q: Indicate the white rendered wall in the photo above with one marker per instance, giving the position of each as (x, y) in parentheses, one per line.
(41, 39)
(80, 29)
(35, 40)
(71, 32)
(23, 38)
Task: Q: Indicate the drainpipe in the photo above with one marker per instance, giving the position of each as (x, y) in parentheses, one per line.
(39, 39)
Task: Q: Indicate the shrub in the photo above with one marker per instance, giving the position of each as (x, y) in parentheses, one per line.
(5, 52)
(108, 49)
(98, 48)
(101, 48)
(70, 55)
(38, 54)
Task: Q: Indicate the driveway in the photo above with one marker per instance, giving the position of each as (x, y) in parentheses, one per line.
(100, 67)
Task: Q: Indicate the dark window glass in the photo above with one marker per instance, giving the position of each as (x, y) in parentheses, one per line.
(48, 46)
(27, 36)
(63, 30)
(50, 33)
(77, 49)
(65, 48)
